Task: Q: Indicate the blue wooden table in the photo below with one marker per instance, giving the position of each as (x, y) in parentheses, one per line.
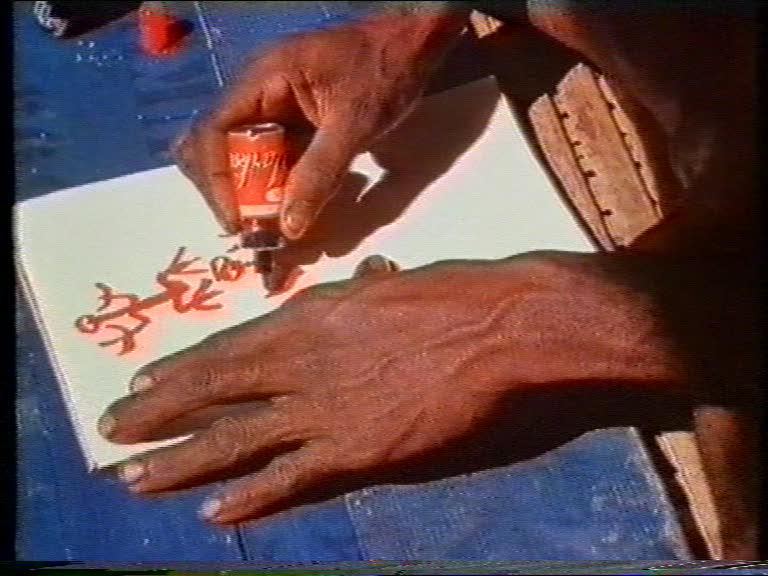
(97, 108)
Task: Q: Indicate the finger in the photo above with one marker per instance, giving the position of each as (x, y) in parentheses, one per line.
(261, 96)
(202, 154)
(142, 417)
(174, 387)
(375, 265)
(212, 160)
(202, 418)
(228, 444)
(182, 152)
(285, 477)
(316, 177)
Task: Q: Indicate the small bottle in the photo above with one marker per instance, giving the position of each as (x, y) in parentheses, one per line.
(259, 164)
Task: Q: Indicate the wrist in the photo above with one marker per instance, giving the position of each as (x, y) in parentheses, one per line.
(570, 320)
(447, 9)
(426, 30)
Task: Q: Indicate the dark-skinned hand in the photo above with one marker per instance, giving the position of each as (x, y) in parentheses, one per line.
(372, 372)
(332, 112)
(361, 375)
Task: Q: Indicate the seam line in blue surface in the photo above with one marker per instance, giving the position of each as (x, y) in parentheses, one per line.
(655, 482)
(209, 43)
(240, 538)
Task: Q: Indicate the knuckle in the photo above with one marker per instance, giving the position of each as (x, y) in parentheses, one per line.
(346, 454)
(234, 342)
(207, 383)
(310, 293)
(173, 365)
(244, 495)
(315, 181)
(261, 64)
(222, 428)
(214, 122)
(197, 130)
(227, 439)
(288, 475)
(544, 262)
(216, 344)
(362, 460)
(305, 297)
(159, 371)
(541, 257)
(203, 128)
(315, 302)
(180, 148)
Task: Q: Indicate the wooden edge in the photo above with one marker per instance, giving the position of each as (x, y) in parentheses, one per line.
(612, 175)
(634, 145)
(483, 24)
(638, 207)
(558, 151)
(616, 215)
(681, 450)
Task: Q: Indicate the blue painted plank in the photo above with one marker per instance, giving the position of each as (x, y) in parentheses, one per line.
(66, 513)
(97, 108)
(317, 533)
(241, 30)
(594, 498)
(78, 120)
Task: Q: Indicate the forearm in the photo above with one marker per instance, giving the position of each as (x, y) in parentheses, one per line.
(558, 319)
(653, 321)
(691, 93)
(428, 29)
(613, 334)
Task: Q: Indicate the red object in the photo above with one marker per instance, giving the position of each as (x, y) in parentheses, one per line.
(161, 33)
(259, 166)
(259, 162)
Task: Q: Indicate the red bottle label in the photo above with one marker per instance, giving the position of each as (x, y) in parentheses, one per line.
(258, 162)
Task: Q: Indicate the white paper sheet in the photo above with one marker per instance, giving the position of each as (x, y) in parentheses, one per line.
(484, 196)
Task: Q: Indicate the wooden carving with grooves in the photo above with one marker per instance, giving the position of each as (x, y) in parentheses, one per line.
(593, 150)
(596, 155)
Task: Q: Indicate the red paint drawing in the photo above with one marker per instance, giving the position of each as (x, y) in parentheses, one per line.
(125, 313)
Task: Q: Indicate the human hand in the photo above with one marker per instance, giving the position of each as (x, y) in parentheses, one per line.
(368, 374)
(348, 86)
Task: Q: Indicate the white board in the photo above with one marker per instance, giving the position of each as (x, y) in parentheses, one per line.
(482, 195)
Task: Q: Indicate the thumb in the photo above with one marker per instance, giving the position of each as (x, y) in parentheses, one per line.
(316, 177)
(375, 265)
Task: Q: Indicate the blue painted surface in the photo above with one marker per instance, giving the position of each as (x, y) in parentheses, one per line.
(66, 514)
(317, 533)
(94, 111)
(88, 110)
(595, 498)
(83, 104)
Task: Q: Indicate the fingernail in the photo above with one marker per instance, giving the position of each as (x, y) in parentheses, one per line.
(392, 266)
(131, 471)
(297, 216)
(377, 262)
(141, 383)
(380, 263)
(210, 508)
(106, 425)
